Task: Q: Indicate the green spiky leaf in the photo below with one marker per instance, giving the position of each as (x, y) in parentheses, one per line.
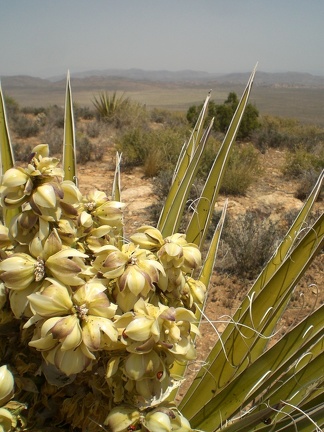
(6, 153)
(199, 223)
(69, 149)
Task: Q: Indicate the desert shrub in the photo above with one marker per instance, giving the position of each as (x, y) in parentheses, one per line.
(12, 106)
(223, 115)
(286, 133)
(118, 110)
(132, 145)
(307, 181)
(274, 133)
(161, 187)
(168, 118)
(24, 127)
(32, 110)
(53, 136)
(22, 152)
(84, 149)
(55, 116)
(301, 160)
(98, 151)
(242, 171)
(208, 157)
(154, 149)
(83, 112)
(252, 239)
(93, 129)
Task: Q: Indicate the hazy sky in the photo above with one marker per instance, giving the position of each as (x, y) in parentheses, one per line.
(46, 37)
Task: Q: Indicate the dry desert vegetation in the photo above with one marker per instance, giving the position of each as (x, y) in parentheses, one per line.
(272, 197)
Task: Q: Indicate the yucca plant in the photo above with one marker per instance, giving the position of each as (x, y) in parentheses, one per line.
(96, 330)
(108, 106)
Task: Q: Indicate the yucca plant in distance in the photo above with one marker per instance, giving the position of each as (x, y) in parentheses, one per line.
(96, 329)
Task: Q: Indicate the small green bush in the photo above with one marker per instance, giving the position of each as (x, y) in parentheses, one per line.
(154, 149)
(84, 149)
(306, 183)
(33, 110)
(301, 160)
(24, 127)
(93, 129)
(251, 238)
(242, 171)
(12, 106)
(53, 136)
(55, 116)
(83, 112)
(223, 115)
(168, 118)
(22, 152)
(277, 132)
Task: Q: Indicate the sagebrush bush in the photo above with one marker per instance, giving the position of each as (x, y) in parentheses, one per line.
(307, 181)
(55, 116)
(22, 152)
(154, 149)
(286, 133)
(168, 118)
(300, 161)
(252, 239)
(242, 171)
(84, 149)
(24, 127)
(83, 112)
(93, 129)
(53, 136)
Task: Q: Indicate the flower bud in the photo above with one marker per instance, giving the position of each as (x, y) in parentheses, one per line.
(157, 421)
(6, 385)
(6, 420)
(17, 271)
(148, 237)
(121, 418)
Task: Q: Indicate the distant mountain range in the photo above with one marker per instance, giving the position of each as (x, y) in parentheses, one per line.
(190, 77)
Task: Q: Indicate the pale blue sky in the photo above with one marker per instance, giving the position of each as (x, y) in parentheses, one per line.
(46, 37)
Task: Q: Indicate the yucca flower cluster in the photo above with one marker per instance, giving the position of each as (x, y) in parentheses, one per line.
(99, 311)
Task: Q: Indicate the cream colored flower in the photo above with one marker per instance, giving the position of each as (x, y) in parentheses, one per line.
(101, 211)
(193, 292)
(6, 385)
(71, 361)
(19, 302)
(5, 241)
(24, 226)
(122, 419)
(92, 296)
(176, 252)
(53, 300)
(148, 237)
(163, 419)
(150, 326)
(18, 271)
(136, 270)
(7, 420)
(158, 421)
(14, 183)
(147, 365)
